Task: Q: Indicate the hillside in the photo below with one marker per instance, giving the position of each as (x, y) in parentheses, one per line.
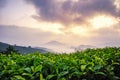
(22, 49)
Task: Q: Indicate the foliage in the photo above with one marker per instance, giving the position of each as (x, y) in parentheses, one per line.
(10, 50)
(91, 64)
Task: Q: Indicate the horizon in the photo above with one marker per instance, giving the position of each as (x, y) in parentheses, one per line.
(71, 22)
(56, 47)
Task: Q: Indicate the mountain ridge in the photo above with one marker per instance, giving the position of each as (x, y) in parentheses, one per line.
(54, 43)
(22, 49)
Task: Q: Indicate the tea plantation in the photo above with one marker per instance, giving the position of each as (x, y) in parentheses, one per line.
(91, 64)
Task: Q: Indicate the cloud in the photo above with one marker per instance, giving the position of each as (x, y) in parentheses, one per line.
(2, 3)
(106, 36)
(24, 36)
(70, 12)
(109, 36)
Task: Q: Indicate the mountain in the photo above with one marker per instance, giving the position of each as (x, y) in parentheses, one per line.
(54, 43)
(22, 49)
(46, 49)
(57, 47)
(83, 47)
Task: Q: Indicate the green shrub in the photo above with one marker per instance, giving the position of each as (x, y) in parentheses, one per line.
(91, 64)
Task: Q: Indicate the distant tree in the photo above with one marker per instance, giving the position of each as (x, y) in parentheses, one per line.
(1, 51)
(10, 50)
(15, 45)
(29, 46)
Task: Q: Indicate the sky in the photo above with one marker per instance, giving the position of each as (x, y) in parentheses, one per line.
(73, 22)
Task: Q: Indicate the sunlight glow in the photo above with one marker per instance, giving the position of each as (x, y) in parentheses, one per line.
(117, 4)
(53, 27)
(50, 27)
(79, 31)
(45, 26)
(103, 21)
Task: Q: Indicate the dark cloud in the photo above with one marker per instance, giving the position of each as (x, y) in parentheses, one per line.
(97, 6)
(70, 12)
(2, 3)
(46, 9)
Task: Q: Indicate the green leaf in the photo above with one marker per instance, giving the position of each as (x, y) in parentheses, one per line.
(97, 67)
(62, 74)
(28, 70)
(32, 68)
(115, 63)
(27, 74)
(116, 78)
(38, 68)
(83, 67)
(19, 77)
(62, 79)
(50, 76)
(100, 73)
(41, 77)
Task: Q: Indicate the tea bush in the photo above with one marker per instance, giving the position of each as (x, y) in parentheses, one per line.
(91, 64)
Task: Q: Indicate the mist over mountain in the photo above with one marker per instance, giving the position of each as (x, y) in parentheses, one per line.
(51, 46)
(83, 47)
(57, 47)
(54, 43)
